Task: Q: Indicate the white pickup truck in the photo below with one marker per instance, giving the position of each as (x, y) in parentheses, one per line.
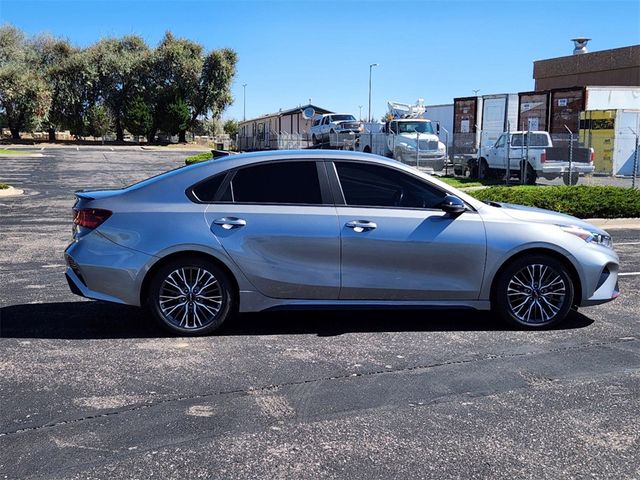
(541, 158)
(409, 140)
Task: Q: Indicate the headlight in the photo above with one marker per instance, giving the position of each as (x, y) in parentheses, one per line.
(441, 148)
(408, 146)
(587, 236)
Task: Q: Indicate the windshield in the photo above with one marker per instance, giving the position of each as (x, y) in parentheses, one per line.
(335, 118)
(410, 127)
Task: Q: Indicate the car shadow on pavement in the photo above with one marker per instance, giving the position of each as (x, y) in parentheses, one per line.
(100, 320)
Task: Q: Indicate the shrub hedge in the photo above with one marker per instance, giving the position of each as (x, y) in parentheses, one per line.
(200, 157)
(582, 201)
(3, 186)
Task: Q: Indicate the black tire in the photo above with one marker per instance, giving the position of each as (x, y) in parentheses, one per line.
(530, 175)
(203, 276)
(473, 169)
(521, 301)
(570, 181)
(314, 140)
(483, 169)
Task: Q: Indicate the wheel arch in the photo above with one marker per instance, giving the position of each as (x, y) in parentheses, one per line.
(573, 272)
(146, 282)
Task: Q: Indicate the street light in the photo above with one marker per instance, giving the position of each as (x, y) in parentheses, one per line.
(370, 68)
(244, 102)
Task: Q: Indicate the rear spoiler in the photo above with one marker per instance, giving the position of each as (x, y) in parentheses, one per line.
(82, 195)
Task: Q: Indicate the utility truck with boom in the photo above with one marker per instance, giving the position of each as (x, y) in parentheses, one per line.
(407, 137)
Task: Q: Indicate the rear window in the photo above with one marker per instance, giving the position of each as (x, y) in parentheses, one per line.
(281, 182)
(537, 140)
(206, 191)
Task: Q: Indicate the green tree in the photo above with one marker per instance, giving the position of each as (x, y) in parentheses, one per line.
(121, 65)
(24, 96)
(230, 127)
(78, 91)
(176, 117)
(51, 54)
(138, 117)
(181, 70)
(99, 121)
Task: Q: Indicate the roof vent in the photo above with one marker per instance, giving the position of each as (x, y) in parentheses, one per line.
(580, 45)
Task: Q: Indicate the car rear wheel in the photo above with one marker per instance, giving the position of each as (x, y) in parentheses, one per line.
(570, 179)
(530, 175)
(483, 169)
(190, 296)
(534, 292)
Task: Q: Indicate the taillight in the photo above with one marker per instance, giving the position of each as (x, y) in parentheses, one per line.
(543, 156)
(90, 217)
(592, 157)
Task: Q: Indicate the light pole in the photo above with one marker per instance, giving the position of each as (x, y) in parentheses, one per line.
(360, 117)
(370, 69)
(244, 102)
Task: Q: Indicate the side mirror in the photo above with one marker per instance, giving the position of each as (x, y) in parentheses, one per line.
(438, 128)
(453, 205)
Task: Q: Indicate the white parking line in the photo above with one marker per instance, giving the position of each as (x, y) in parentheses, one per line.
(628, 243)
(628, 274)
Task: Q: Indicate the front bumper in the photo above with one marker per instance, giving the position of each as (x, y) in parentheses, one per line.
(599, 267)
(436, 160)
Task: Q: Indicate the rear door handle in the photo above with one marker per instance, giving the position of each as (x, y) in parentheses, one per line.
(360, 226)
(230, 222)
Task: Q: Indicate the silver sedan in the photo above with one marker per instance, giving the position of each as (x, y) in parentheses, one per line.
(309, 229)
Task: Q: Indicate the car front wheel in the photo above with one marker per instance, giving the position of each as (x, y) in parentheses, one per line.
(190, 296)
(534, 292)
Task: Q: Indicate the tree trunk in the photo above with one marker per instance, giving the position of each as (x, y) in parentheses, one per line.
(151, 136)
(52, 134)
(15, 133)
(119, 130)
(182, 136)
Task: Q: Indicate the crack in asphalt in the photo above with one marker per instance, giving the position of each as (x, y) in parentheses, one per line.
(253, 390)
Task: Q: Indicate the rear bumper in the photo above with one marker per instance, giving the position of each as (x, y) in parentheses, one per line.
(100, 269)
(563, 167)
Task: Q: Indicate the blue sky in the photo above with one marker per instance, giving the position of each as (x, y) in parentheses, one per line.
(291, 51)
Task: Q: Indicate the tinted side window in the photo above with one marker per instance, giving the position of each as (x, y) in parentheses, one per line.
(206, 191)
(377, 186)
(284, 182)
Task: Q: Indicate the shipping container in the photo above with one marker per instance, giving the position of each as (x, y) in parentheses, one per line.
(533, 113)
(499, 114)
(564, 112)
(612, 135)
(597, 131)
(466, 125)
(442, 114)
(612, 98)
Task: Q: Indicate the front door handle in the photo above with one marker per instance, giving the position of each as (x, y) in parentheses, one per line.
(230, 222)
(360, 226)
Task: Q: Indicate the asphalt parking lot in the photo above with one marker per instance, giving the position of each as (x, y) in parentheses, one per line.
(95, 391)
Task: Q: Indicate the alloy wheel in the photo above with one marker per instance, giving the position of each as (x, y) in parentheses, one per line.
(190, 297)
(536, 294)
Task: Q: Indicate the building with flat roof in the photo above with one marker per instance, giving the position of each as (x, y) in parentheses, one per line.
(615, 67)
(280, 130)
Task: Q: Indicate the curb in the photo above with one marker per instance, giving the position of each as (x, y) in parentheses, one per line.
(10, 192)
(615, 223)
